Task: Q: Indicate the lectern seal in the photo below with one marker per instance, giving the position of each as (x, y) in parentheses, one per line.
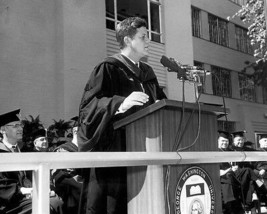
(195, 193)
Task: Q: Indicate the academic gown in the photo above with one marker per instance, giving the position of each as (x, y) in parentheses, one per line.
(11, 199)
(69, 183)
(246, 177)
(110, 83)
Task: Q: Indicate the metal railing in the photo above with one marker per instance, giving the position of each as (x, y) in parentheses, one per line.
(42, 163)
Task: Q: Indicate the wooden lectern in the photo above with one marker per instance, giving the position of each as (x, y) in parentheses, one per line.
(154, 129)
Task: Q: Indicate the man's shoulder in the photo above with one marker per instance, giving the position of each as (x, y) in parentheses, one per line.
(3, 148)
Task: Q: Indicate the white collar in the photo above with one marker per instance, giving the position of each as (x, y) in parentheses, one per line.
(7, 144)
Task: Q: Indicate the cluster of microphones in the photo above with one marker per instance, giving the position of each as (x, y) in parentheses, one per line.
(184, 72)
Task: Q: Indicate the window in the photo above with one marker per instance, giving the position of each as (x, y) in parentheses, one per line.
(218, 30)
(196, 27)
(246, 87)
(150, 10)
(242, 40)
(221, 82)
(228, 126)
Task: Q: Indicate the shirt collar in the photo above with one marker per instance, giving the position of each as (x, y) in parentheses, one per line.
(136, 63)
(7, 144)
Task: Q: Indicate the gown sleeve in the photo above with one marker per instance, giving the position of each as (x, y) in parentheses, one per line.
(98, 106)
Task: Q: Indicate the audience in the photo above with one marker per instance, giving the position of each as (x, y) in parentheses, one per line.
(16, 187)
(239, 181)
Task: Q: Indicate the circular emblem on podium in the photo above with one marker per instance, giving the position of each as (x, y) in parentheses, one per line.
(195, 193)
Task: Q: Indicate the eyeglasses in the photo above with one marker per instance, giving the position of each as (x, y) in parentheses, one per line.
(16, 126)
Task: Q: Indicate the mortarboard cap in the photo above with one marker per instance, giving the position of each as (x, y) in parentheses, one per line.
(223, 134)
(239, 133)
(263, 136)
(9, 117)
(38, 133)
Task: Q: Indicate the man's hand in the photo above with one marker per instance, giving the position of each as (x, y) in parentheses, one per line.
(234, 168)
(136, 98)
(262, 173)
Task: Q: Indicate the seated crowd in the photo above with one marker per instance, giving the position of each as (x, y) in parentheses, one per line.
(242, 183)
(29, 135)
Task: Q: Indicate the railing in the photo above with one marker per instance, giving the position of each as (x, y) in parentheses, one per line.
(42, 163)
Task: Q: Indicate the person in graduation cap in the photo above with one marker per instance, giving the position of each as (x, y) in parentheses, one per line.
(40, 141)
(245, 173)
(15, 187)
(261, 169)
(230, 187)
(118, 86)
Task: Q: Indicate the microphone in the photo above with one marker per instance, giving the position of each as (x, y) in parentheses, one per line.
(173, 66)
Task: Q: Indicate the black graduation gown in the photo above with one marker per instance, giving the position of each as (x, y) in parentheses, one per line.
(110, 83)
(246, 177)
(11, 199)
(66, 186)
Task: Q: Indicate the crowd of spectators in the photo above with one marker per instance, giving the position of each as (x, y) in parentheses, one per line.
(30, 135)
(243, 184)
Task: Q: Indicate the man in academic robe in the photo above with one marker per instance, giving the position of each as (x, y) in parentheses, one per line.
(118, 86)
(15, 187)
(261, 169)
(245, 173)
(230, 186)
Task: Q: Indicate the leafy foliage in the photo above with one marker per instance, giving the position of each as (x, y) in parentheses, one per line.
(253, 13)
(31, 124)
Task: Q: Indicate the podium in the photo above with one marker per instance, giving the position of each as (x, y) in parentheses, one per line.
(156, 128)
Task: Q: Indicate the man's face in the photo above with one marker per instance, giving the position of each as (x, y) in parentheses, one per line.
(41, 144)
(13, 131)
(223, 143)
(239, 141)
(139, 43)
(263, 143)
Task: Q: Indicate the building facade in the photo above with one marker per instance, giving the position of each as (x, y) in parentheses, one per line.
(49, 48)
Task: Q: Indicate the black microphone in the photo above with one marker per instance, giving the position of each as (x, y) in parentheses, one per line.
(173, 66)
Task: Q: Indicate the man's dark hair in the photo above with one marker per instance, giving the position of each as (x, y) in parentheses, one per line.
(128, 27)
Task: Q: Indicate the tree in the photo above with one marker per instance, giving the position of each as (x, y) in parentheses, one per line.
(253, 13)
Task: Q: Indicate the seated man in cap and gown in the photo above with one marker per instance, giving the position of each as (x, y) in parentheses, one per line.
(230, 186)
(15, 186)
(261, 169)
(245, 173)
(69, 183)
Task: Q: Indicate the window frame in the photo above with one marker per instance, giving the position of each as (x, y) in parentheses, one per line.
(242, 40)
(215, 32)
(197, 25)
(245, 90)
(226, 91)
(150, 32)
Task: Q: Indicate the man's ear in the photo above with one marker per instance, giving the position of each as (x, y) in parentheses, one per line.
(2, 130)
(126, 40)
